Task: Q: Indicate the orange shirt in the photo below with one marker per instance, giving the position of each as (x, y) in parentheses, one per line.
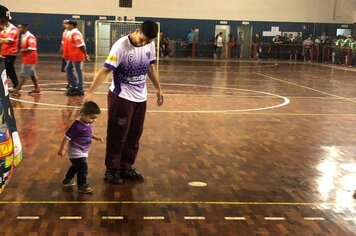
(11, 33)
(28, 41)
(75, 41)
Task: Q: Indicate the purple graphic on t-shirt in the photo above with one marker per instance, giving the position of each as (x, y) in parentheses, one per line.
(79, 136)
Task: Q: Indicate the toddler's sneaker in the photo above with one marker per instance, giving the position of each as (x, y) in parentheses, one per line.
(68, 183)
(85, 189)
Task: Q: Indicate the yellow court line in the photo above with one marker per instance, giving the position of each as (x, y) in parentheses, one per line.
(170, 203)
(302, 86)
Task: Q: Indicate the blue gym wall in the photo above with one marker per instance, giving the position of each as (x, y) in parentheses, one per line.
(48, 28)
(178, 28)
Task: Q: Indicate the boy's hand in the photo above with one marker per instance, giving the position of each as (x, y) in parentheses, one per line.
(159, 98)
(61, 153)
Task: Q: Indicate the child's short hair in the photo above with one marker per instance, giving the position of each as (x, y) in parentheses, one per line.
(90, 108)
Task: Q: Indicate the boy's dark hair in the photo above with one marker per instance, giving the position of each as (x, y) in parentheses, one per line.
(149, 29)
(90, 108)
(4, 14)
(72, 22)
(24, 25)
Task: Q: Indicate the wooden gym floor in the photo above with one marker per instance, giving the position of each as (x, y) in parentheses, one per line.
(239, 148)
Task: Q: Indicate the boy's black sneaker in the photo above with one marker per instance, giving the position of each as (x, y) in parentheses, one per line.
(131, 174)
(78, 92)
(70, 91)
(113, 177)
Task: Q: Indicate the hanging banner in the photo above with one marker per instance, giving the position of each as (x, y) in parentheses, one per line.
(10, 144)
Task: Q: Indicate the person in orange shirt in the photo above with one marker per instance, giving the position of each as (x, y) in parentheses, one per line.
(77, 54)
(28, 61)
(9, 38)
(62, 49)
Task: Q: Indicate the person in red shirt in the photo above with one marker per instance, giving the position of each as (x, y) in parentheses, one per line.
(28, 61)
(9, 38)
(62, 49)
(77, 54)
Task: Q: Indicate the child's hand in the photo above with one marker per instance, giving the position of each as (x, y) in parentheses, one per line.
(100, 139)
(61, 153)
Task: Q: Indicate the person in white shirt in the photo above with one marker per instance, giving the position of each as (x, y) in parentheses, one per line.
(219, 44)
(131, 59)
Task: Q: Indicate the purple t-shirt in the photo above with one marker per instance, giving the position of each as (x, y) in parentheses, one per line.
(79, 136)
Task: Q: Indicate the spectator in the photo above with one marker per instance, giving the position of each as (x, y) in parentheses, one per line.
(232, 45)
(275, 47)
(77, 54)
(219, 44)
(28, 61)
(9, 40)
(257, 43)
(308, 49)
(239, 43)
(63, 49)
(353, 56)
(190, 38)
(163, 45)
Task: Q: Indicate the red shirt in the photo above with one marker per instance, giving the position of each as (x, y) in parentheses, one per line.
(11, 33)
(28, 41)
(75, 41)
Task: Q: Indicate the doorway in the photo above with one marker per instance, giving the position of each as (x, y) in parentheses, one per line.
(247, 39)
(225, 29)
(343, 32)
(81, 26)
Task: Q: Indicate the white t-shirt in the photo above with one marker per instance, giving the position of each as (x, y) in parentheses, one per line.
(130, 65)
(219, 41)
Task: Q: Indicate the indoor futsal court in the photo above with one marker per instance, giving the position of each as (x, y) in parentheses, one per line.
(241, 146)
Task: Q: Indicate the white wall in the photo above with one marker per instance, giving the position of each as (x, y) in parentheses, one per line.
(254, 10)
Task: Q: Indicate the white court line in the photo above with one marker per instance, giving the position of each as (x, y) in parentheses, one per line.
(275, 218)
(70, 217)
(286, 101)
(234, 218)
(153, 217)
(112, 217)
(313, 218)
(178, 66)
(350, 218)
(27, 217)
(194, 217)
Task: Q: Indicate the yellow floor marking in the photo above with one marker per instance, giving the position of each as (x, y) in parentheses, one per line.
(153, 217)
(70, 217)
(112, 217)
(234, 218)
(194, 217)
(27, 217)
(275, 218)
(171, 202)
